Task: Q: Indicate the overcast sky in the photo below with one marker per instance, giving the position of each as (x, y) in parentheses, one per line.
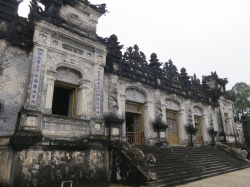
(200, 35)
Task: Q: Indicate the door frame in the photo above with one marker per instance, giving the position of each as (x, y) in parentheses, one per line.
(177, 124)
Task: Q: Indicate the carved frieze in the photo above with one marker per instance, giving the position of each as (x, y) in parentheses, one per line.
(72, 49)
(197, 111)
(60, 127)
(78, 19)
(54, 59)
(135, 95)
(43, 38)
(172, 104)
(68, 75)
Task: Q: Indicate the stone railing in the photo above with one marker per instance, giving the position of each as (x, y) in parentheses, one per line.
(128, 162)
(242, 154)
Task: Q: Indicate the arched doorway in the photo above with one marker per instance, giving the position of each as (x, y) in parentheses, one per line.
(134, 123)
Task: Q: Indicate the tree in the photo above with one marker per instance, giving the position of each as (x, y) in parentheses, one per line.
(242, 104)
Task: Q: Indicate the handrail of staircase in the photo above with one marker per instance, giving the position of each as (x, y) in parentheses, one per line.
(241, 154)
(130, 165)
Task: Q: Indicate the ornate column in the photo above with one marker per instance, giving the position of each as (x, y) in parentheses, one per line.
(82, 98)
(123, 114)
(50, 91)
(148, 130)
(205, 125)
(181, 124)
(164, 118)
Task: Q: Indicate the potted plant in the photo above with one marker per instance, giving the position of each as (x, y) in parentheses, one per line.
(212, 134)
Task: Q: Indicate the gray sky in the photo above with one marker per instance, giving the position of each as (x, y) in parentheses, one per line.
(200, 35)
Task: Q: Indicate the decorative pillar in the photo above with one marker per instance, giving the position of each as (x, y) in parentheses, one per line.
(82, 108)
(148, 130)
(164, 117)
(205, 126)
(123, 101)
(50, 91)
(181, 127)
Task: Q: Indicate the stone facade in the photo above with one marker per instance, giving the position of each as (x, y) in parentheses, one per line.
(41, 148)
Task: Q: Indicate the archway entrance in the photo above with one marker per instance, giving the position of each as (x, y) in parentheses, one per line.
(134, 124)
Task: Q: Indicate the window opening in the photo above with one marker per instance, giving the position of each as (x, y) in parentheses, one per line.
(64, 100)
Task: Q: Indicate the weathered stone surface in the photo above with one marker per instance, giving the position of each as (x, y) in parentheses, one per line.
(242, 154)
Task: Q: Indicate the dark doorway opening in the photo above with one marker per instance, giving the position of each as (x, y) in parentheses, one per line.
(129, 122)
(134, 133)
(61, 98)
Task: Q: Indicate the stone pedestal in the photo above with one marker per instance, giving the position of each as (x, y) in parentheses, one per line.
(114, 128)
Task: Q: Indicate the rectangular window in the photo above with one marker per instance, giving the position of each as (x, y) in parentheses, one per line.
(64, 99)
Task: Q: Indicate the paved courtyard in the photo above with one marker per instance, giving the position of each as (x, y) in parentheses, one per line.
(239, 178)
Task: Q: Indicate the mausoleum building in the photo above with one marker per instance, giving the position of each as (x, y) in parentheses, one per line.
(65, 92)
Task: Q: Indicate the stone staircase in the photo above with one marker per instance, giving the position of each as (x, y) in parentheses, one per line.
(179, 165)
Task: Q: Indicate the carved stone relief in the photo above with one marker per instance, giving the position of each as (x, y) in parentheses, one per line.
(79, 19)
(43, 38)
(197, 111)
(64, 127)
(172, 104)
(68, 75)
(53, 59)
(31, 121)
(158, 110)
(4, 26)
(135, 95)
(113, 96)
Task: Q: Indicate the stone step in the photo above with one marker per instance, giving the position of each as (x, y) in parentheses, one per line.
(170, 162)
(175, 183)
(193, 170)
(161, 171)
(176, 165)
(177, 179)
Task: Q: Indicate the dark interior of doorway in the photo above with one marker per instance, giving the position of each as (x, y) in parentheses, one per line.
(129, 121)
(60, 104)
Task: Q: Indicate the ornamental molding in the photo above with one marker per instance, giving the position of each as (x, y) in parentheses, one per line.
(79, 19)
(136, 95)
(56, 60)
